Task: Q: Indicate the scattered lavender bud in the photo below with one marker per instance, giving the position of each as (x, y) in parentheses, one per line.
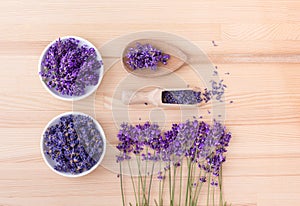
(231, 102)
(227, 73)
(70, 68)
(145, 56)
(217, 91)
(214, 43)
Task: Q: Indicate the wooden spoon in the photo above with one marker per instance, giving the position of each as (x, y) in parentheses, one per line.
(153, 97)
(177, 58)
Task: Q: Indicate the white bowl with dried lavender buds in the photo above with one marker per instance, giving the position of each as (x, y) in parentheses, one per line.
(70, 68)
(73, 144)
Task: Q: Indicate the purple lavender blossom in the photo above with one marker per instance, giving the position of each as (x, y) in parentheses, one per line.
(70, 68)
(145, 56)
(196, 140)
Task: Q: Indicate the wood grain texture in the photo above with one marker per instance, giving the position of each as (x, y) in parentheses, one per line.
(258, 43)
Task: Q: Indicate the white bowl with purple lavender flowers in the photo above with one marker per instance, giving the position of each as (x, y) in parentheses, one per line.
(73, 144)
(70, 68)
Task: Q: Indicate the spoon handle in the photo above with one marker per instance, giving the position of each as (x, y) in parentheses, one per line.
(130, 97)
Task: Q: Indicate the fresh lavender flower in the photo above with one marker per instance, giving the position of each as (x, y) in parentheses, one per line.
(218, 139)
(180, 139)
(202, 144)
(133, 139)
(74, 143)
(145, 56)
(70, 68)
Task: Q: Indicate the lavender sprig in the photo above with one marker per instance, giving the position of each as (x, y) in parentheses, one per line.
(202, 144)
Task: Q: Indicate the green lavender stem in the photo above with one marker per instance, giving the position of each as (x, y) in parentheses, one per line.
(145, 179)
(132, 181)
(170, 185)
(121, 183)
(180, 187)
(188, 182)
(220, 187)
(198, 193)
(196, 190)
(208, 189)
(213, 195)
(150, 184)
(140, 181)
(159, 192)
(163, 186)
(193, 169)
(174, 183)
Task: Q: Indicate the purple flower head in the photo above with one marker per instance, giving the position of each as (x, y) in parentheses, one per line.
(202, 179)
(214, 183)
(133, 140)
(178, 141)
(128, 141)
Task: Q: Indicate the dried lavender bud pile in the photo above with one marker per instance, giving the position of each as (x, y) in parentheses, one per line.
(70, 68)
(74, 143)
(145, 56)
(181, 97)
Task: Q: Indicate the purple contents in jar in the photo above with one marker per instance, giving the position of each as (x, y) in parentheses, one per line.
(181, 97)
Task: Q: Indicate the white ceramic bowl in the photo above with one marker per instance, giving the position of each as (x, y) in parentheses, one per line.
(88, 90)
(51, 163)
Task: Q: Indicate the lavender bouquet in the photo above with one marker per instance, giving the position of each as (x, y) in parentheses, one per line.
(193, 149)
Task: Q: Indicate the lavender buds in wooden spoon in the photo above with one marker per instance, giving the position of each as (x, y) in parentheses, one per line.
(152, 58)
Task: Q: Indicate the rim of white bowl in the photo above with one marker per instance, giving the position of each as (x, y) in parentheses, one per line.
(66, 97)
(54, 120)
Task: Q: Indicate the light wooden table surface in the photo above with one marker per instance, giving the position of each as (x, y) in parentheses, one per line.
(258, 43)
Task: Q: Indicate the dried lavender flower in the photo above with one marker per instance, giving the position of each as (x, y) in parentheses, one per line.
(181, 97)
(74, 143)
